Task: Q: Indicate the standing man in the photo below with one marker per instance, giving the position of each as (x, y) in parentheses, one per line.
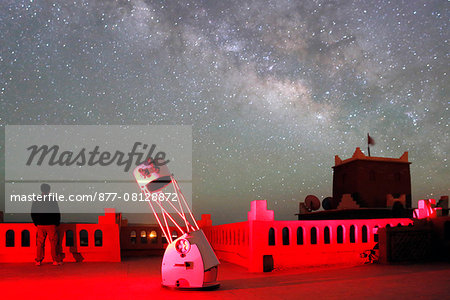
(46, 217)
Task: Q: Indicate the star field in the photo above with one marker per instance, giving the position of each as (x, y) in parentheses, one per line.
(273, 89)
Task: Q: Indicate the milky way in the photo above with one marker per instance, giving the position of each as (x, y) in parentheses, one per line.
(273, 89)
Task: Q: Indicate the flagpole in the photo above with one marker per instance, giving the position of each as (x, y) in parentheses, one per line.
(368, 143)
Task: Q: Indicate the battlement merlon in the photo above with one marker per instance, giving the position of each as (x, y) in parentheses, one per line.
(359, 155)
(109, 217)
(259, 212)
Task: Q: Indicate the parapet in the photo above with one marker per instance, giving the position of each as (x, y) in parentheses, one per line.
(359, 155)
(205, 221)
(259, 212)
(109, 217)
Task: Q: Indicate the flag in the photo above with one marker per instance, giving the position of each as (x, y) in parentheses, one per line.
(370, 140)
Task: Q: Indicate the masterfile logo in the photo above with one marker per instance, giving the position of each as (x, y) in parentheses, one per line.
(90, 167)
(91, 152)
(53, 156)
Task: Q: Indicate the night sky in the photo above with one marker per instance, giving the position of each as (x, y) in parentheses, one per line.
(273, 89)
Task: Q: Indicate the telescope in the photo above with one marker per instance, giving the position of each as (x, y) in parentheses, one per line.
(189, 261)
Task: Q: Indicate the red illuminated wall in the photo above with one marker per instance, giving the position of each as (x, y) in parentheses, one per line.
(294, 242)
(78, 242)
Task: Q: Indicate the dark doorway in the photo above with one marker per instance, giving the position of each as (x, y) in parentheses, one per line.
(267, 263)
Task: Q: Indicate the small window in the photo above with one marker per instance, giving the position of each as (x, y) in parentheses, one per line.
(375, 235)
(84, 241)
(174, 235)
(25, 241)
(271, 237)
(300, 236)
(133, 237)
(98, 238)
(364, 234)
(69, 238)
(340, 234)
(153, 237)
(9, 238)
(143, 237)
(352, 234)
(285, 236)
(313, 235)
(326, 235)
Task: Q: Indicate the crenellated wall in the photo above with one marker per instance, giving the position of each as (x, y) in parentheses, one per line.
(230, 242)
(295, 243)
(78, 242)
(252, 244)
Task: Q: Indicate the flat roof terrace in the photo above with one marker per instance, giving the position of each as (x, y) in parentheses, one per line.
(139, 278)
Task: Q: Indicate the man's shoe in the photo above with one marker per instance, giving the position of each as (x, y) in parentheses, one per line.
(38, 263)
(57, 263)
